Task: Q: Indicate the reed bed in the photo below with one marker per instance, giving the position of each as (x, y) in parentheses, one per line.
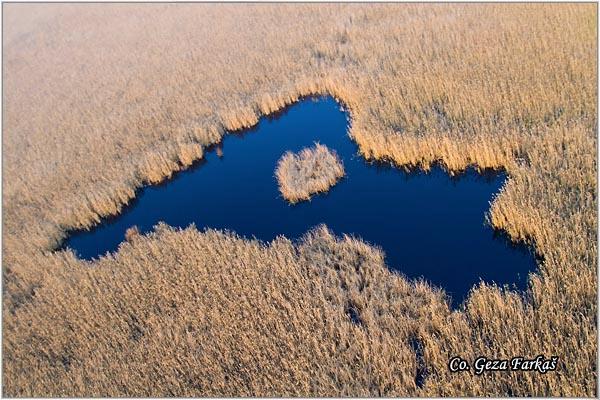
(99, 101)
(313, 170)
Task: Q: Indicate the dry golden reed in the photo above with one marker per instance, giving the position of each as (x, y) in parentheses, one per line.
(102, 99)
(313, 170)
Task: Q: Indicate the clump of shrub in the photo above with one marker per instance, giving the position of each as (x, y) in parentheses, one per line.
(313, 170)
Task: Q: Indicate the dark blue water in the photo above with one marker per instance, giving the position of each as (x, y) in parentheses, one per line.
(430, 225)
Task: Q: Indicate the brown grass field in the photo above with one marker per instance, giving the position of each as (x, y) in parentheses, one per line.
(313, 170)
(99, 100)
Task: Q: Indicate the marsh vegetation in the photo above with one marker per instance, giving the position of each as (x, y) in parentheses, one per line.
(98, 102)
(400, 212)
(313, 170)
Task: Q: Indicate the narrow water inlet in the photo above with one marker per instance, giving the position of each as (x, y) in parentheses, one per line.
(430, 225)
(417, 346)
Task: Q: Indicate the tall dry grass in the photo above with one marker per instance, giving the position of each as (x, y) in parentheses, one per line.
(313, 170)
(101, 99)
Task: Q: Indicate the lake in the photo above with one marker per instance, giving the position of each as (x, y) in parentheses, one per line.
(430, 225)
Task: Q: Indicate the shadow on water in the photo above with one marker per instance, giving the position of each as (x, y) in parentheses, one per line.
(429, 224)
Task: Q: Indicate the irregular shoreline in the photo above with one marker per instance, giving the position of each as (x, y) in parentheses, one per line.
(494, 85)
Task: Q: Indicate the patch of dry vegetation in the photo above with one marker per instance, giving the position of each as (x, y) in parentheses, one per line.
(98, 101)
(313, 170)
